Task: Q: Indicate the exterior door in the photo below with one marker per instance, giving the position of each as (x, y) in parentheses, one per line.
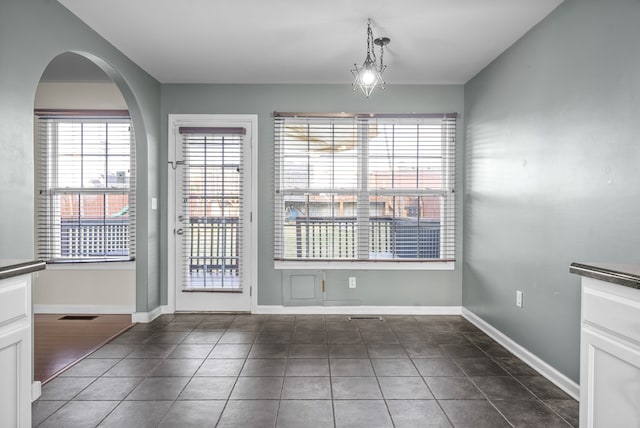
(212, 214)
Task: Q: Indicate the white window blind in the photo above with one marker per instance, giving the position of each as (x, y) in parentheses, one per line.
(364, 187)
(211, 193)
(85, 186)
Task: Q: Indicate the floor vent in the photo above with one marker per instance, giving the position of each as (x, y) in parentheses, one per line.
(365, 318)
(79, 317)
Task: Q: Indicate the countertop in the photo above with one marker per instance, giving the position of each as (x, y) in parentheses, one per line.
(11, 268)
(627, 275)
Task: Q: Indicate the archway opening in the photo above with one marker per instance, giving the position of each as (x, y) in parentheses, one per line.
(85, 212)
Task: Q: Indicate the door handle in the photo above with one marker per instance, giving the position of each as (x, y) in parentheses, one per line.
(179, 232)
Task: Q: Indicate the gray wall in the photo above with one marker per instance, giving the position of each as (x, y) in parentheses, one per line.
(32, 33)
(552, 172)
(438, 288)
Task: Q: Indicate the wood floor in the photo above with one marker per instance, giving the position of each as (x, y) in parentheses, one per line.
(59, 343)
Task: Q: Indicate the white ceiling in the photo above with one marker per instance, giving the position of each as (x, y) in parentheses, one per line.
(304, 41)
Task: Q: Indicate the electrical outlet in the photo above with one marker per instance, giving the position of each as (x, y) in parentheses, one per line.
(519, 298)
(352, 282)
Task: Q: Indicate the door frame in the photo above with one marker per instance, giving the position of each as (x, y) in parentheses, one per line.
(175, 120)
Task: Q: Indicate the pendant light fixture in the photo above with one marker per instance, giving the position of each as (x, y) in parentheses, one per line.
(369, 75)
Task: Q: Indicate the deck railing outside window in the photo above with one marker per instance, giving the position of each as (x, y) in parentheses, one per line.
(337, 238)
(93, 238)
(214, 246)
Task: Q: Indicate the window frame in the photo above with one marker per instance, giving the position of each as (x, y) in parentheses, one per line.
(48, 185)
(448, 176)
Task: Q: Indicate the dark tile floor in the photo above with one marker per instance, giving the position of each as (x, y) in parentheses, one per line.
(206, 370)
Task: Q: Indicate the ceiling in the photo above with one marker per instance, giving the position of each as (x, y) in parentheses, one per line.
(304, 41)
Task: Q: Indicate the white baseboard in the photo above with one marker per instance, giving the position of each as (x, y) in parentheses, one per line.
(83, 309)
(357, 310)
(553, 375)
(36, 390)
(146, 317)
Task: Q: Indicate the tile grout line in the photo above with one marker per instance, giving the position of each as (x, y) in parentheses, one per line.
(226, 403)
(190, 378)
(286, 364)
(427, 385)
(521, 383)
(511, 375)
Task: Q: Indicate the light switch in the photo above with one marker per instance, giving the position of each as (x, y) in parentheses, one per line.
(519, 298)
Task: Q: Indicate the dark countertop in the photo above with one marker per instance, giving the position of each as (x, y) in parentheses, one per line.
(627, 275)
(11, 268)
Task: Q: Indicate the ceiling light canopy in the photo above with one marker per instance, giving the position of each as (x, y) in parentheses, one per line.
(369, 76)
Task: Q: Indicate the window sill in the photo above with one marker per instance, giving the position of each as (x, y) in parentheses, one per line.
(112, 265)
(362, 265)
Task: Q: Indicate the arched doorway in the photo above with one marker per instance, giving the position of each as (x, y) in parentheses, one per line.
(85, 211)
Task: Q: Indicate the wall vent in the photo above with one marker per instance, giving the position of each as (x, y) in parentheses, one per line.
(365, 317)
(78, 317)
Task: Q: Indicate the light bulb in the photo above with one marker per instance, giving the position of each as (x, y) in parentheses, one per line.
(368, 77)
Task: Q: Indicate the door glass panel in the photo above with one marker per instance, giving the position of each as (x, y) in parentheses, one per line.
(212, 207)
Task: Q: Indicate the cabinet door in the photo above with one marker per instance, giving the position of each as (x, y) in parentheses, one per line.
(609, 380)
(15, 372)
(15, 352)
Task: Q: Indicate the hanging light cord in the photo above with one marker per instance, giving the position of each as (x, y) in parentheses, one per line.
(370, 52)
(382, 67)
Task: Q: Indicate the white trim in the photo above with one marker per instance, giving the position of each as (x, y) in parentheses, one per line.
(252, 275)
(36, 390)
(147, 317)
(125, 265)
(363, 265)
(553, 375)
(357, 310)
(171, 214)
(83, 309)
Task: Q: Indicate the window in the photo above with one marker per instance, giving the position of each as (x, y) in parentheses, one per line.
(85, 187)
(364, 187)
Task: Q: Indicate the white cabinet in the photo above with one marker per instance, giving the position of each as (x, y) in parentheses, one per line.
(609, 355)
(15, 351)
